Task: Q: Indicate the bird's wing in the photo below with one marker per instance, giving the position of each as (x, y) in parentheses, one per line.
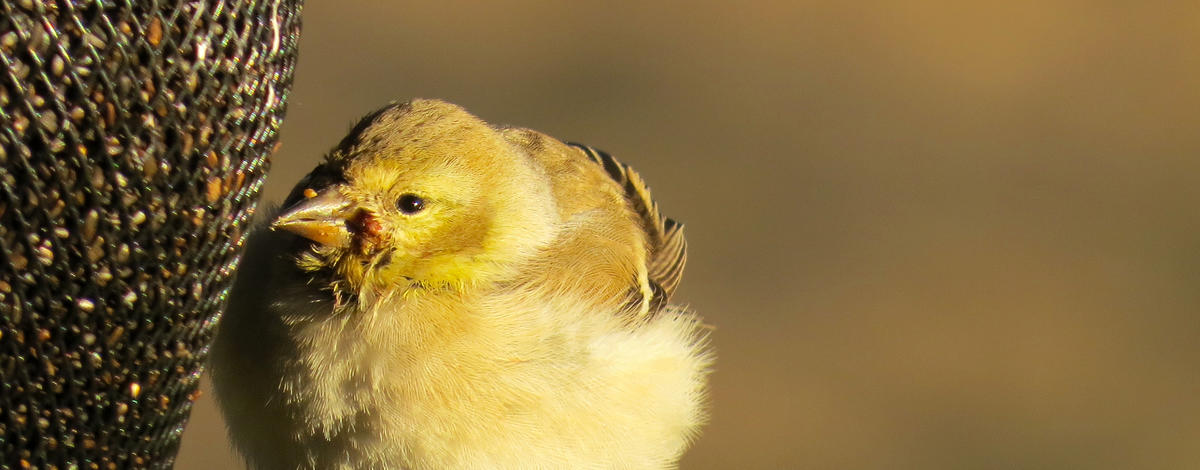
(666, 247)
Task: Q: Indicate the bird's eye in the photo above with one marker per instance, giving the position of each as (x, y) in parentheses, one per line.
(410, 204)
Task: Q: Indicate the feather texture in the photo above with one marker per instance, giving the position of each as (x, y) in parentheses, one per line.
(441, 293)
(667, 248)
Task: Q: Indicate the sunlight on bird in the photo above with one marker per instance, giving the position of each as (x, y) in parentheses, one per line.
(442, 293)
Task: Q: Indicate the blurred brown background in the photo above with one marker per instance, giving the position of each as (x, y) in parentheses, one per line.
(931, 234)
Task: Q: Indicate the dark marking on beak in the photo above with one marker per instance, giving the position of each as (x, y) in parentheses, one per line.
(322, 218)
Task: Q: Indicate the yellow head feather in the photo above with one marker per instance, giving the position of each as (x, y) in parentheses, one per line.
(484, 206)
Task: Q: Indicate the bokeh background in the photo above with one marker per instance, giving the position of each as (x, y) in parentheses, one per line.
(934, 234)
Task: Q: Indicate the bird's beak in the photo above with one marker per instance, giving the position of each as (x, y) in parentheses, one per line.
(321, 218)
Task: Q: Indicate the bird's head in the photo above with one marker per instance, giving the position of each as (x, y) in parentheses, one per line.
(420, 196)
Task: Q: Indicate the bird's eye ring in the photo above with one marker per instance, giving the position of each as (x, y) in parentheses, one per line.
(410, 203)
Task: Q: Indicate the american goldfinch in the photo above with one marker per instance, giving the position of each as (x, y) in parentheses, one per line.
(441, 293)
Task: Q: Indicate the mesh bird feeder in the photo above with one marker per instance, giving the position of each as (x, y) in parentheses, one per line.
(133, 143)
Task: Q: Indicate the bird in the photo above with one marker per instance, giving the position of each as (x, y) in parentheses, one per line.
(444, 293)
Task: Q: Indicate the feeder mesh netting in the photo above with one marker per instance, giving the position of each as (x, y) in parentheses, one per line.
(133, 142)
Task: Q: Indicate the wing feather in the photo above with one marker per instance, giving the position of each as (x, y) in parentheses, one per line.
(666, 245)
